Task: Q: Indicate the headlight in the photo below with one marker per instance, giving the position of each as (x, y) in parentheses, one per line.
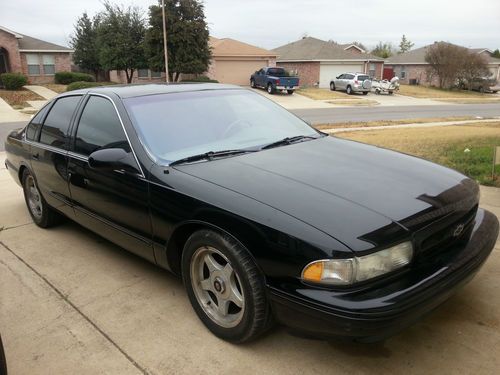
(352, 270)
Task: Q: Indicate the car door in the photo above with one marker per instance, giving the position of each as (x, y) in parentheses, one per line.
(338, 82)
(111, 203)
(49, 152)
(259, 80)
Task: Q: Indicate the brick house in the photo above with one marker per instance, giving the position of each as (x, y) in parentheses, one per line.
(316, 61)
(37, 59)
(232, 62)
(412, 67)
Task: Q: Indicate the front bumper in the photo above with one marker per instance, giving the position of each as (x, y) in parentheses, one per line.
(374, 313)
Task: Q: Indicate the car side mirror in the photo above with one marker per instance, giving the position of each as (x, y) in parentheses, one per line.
(113, 159)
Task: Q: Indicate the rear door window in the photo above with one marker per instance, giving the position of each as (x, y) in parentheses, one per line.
(55, 127)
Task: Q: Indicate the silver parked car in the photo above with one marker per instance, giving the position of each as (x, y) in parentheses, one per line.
(352, 82)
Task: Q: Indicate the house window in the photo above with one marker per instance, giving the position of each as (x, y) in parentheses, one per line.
(403, 72)
(155, 74)
(372, 70)
(143, 73)
(49, 64)
(33, 64)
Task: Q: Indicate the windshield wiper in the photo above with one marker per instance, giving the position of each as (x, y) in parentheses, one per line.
(210, 155)
(288, 141)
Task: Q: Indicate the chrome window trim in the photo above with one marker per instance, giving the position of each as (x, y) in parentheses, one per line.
(78, 156)
(123, 127)
(47, 147)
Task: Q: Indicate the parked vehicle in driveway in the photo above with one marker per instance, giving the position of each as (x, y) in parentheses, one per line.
(385, 86)
(273, 79)
(483, 84)
(351, 83)
(261, 215)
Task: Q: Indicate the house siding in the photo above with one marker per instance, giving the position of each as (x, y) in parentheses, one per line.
(308, 72)
(418, 72)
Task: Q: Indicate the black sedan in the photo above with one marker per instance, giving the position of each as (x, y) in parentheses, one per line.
(261, 215)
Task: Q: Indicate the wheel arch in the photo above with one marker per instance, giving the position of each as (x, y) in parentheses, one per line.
(243, 233)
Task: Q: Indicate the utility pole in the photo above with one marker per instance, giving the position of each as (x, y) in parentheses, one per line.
(165, 39)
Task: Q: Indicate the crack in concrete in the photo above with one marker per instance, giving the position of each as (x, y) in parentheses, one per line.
(3, 229)
(142, 369)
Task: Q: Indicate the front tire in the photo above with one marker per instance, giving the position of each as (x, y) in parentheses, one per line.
(225, 287)
(332, 86)
(290, 92)
(270, 89)
(252, 84)
(42, 214)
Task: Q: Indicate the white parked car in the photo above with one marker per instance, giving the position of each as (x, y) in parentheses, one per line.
(351, 83)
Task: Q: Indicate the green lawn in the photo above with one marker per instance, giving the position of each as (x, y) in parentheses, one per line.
(444, 145)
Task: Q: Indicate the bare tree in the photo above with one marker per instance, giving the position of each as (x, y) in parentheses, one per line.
(445, 61)
(474, 65)
(451, 63)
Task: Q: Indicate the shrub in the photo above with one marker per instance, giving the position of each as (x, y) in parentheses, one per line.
(70, 77)
(85, 85)
(200, 79)
(13, 81)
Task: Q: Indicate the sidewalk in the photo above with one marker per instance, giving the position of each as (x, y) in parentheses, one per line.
(415, 125)
(9, 114)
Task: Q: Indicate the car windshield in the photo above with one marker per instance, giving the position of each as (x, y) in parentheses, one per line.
(178, 125)
(363, 78)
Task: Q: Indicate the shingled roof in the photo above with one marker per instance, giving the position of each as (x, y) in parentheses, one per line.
(29, 44)
(231, 47)
(313, 49)
(417, 56)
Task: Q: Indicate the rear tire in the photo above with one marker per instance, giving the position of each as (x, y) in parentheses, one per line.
(270, 89)
(225, 287)
(290, 92)
(349, 90)
(332, 86)
(365, 92)
(42, 214)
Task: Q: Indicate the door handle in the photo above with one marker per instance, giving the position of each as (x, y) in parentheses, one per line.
(35, 156)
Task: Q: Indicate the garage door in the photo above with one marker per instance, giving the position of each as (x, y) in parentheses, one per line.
(329, 71)
(237, 72)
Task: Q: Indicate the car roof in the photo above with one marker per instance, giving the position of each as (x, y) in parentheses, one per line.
(134, 90)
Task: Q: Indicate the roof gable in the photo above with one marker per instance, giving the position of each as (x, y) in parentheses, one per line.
(309, 48)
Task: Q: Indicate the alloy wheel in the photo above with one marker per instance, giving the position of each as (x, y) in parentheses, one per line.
(34, 198)
(217, 287)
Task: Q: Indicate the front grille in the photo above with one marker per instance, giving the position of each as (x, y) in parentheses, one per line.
(441, 235)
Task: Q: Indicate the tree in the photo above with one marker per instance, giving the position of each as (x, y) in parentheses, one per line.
(187, 38)
(120, 39)
(496, 53)
(405, 45)
(84, 43)
(473, 65)
(383, 50)
(451, 63)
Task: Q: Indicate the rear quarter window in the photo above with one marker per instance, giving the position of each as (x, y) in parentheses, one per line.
(35, 123)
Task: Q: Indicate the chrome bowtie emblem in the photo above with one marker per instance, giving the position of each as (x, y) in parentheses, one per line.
(458, 230)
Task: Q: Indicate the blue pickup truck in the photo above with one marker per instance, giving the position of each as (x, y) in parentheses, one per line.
(273, 79)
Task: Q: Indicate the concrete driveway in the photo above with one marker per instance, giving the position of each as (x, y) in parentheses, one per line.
(72, 302)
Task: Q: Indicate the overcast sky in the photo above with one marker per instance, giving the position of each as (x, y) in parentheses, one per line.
(270, 24)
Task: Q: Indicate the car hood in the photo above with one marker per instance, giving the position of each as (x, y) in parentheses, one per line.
(361, 195)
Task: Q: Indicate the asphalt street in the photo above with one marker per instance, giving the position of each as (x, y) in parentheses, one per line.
(334, 115)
